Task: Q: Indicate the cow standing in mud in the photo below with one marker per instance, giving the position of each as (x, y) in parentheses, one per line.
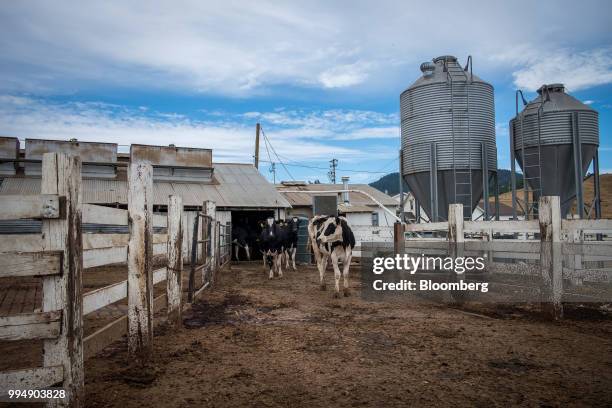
(331, 237)
(289, 236)
(271, 247)
(241, 238)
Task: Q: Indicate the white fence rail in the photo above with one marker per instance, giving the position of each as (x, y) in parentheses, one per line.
(60, 253)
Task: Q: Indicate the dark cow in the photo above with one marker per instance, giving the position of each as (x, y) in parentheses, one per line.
(270, 242)
(241, 238)
(331, 237)
(289, 237)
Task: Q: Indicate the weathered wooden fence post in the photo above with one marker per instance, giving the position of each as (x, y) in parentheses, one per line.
(140, 254)
(210, 209)
(399, 240)
(455, 229)
(61, 175)
(174, 276)
(551, 256)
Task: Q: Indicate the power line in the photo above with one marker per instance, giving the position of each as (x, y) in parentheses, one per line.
(276, 154)
(297, 164)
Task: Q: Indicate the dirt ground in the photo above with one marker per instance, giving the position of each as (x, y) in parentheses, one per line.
(284, 343)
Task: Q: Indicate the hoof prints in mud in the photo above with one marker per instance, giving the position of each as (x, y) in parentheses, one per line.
(235, 309)
(205, 313)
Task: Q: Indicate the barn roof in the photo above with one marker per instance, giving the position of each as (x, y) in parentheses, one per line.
(237, 186)
(357, 199)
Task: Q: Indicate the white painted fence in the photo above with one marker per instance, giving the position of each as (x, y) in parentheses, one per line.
(542, 244)
(60, 254)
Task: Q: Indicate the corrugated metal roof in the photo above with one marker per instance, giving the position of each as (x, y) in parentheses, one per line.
(343, 208)
(239, 185)
(357, 199)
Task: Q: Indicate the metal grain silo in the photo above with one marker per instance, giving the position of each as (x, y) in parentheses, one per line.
(554, 138)
(448, 137)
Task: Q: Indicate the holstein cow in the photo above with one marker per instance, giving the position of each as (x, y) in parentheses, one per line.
(289, 235)
(331, 237)
(240, 239)
(271, 247)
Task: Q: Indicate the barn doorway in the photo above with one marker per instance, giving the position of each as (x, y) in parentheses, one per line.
(249, 220)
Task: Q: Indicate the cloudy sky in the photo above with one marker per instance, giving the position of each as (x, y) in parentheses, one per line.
(323, 77)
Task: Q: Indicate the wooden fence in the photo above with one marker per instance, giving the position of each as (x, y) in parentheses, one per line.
(551, 248)
(59, 255)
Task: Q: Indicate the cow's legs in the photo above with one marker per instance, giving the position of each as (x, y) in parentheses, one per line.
(334, 259)
(293, 252)
(279, 264)
(287, 256)
(346, 264)
(236, 250)
(272, 267)
(248, 252)
(322, 265)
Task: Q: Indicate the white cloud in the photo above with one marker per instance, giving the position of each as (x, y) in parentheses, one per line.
(230, 137)
(243, 48)
(343, 76)
(575, 69)
(588, 102)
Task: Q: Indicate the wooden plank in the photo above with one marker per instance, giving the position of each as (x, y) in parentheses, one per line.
(502, 226)
(21, 243)
(95, 241)
(112, 332)
(160, 249)
(160, 221)
(42, 206)
(31, 378)
(61, 175)
(592, 248)
(97, 341)
(31, 326)
(104, 256)
(31, 263)
(590, 225)
(520, 247)
(99, 298)
(174, 279)
(140, 254)
(602, 275)
(97, 214)
(426, 226)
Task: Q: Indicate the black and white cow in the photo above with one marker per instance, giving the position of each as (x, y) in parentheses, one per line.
(332, 238)
(241, 238)
(271, 246)
(289, 236)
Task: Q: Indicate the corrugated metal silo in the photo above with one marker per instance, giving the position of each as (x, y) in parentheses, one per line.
(545, 136)
(448, 137)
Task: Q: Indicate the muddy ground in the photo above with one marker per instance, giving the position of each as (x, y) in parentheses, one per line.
(284, 343)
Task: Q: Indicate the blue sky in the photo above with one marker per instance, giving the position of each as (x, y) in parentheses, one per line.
(322, 77)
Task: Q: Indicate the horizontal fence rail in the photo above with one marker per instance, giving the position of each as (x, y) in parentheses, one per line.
(58, 253)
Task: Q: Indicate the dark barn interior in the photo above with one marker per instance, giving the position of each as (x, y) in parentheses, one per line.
(250, 221)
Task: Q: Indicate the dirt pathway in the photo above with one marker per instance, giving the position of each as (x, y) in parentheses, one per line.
(284, 343)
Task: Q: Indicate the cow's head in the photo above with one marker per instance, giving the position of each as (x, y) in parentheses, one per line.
(330, 231)
(269, 259)
(295, 224)
(270, 221)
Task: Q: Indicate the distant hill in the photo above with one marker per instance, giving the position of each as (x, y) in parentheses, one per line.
(390, 182)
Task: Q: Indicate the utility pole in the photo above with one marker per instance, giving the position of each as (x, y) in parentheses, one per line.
(273, 171)
(333, 163)
(257, 130)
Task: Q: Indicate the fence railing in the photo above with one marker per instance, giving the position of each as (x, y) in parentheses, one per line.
(59, 255)
(552, 248)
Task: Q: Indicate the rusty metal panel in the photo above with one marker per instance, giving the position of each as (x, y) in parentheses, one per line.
(91, 152)
(251, 191)
(172, 156)
(9, 149)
